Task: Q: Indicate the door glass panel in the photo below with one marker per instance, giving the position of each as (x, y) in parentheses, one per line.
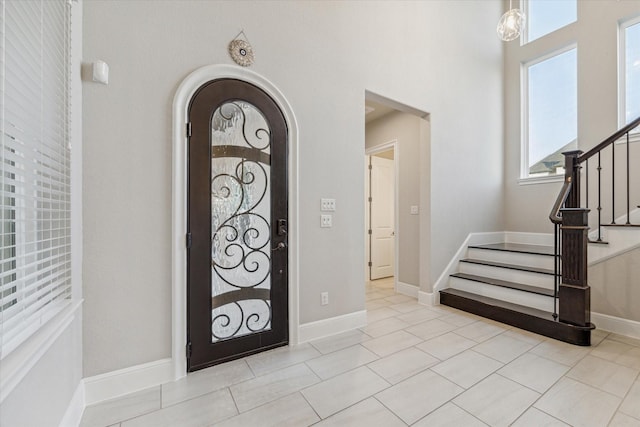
(240, 221)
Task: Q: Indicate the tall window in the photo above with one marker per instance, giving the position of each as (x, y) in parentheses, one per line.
(546, 16)
(629, 71)
(35, 279)
(551, 119)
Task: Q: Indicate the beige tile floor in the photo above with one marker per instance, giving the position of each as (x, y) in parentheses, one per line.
(411, 365)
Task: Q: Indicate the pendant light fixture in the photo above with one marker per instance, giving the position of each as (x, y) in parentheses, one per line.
(511, 24)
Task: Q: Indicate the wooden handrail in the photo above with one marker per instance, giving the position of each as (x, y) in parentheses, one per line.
(608, 141)
(572, 293)
(554, 216)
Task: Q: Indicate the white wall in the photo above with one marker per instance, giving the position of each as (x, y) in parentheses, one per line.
(437, 56)
(405, 129)
(596, 34)
(615, 288)
(43, 395)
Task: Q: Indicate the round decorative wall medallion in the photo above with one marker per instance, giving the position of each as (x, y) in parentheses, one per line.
(241, 52)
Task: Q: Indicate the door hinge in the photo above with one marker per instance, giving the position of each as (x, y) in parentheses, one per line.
(370, 167)
(189, 130)
(189, 240)
(370, 199)
(370, 231)
(370, 264)
(189, 350)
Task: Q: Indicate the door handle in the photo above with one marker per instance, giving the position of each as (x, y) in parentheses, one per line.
(280, 246)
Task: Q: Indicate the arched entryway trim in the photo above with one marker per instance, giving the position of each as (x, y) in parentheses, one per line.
(181, 101)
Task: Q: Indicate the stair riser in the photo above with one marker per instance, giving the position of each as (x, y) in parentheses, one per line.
(541, 302)
(620, 240)
(556, 330)
(529, 260)
(525, 277)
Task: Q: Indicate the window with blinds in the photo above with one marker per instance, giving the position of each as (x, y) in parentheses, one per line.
(35, 275)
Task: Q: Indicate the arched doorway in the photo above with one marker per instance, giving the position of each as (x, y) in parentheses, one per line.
(184, 95)
(237, 224)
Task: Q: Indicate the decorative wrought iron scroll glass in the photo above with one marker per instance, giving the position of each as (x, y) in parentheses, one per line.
(240, 221)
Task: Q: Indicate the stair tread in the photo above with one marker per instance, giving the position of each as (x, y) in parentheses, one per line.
(500, 303)
(509, 266)
(527, 318)
(596, 242)
(505, 284)
(517, 247)
(620, 225)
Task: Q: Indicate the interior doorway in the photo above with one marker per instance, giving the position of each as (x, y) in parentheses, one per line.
(396, 232)
(380, 205)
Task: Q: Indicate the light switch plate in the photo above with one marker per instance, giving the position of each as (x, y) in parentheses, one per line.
(327, 205)
(414, 210)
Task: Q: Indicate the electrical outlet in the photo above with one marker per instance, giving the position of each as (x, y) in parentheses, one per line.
(414, 210)
(324, 298)
(327, 205)
(326, 221)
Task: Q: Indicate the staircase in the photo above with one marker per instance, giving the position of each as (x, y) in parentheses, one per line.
(514, 284)
(517, 273)
(544, 289)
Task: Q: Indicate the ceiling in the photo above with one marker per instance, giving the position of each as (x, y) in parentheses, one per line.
(375, 111)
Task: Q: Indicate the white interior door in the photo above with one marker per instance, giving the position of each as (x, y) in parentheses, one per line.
(382, 218)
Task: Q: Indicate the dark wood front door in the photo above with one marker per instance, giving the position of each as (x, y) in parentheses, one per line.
(237, 224)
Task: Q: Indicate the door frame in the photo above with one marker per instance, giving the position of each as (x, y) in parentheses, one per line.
(393, 144)
(181, 101)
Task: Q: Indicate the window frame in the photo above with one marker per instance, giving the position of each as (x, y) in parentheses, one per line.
(525, 34)
(524, 115)
(634, 136)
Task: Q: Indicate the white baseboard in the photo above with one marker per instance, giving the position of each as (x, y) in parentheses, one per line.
(427, 298)
(620, 241)
(544, 239)
(73, 414)
(407, 289)
(124, 381)
(629, 328)
(334, 325)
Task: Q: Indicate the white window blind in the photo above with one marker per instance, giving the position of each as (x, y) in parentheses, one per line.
(35, 275)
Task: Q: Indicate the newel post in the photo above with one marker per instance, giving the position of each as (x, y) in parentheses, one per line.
(572, 174)
(574, 293)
